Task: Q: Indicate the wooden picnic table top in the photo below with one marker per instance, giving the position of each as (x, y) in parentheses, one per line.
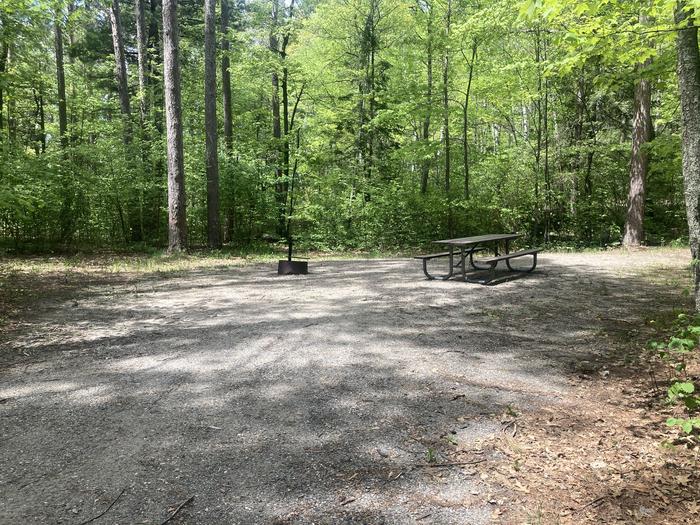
(465, 241)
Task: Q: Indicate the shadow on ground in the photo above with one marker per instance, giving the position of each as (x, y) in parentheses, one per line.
(316, 399)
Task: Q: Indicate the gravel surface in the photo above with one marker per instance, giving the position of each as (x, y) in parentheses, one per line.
(311, 399)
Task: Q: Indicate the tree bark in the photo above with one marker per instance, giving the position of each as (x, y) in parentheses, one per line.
(226, 77)
(425, 165)
(445, 96)
(4, 53)
(446, 113)
(228, 110)
(465, 141)
(210, 124)
(153, 127)
(177, 221)
(41, 120)
(120, 68)
(61, 84)
(688, 68)
(280, 196)
(142, 53)
(66, 214)
(639, 165)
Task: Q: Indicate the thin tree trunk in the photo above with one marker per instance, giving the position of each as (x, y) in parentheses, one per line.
(538, 106)
(4, 53)
(547, 181)
(445, 97)
(446, 113)
(41, 120)
(285, 123)
(66, 215)
(465, 138)
(639, 165)
(688, 69)
(425, 165)
(228, 109)
(226, 77)
(120, 68)
(177, 220)
(142, 53)
(210, 124)
(277, 127)
(156, 111)
(372, 100)
(61, 84)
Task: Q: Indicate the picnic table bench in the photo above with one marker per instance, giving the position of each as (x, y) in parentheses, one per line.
(468, 246)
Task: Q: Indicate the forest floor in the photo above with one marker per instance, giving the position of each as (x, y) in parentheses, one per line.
(361, 393)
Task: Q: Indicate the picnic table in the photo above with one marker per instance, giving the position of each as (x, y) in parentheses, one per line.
(468, 246)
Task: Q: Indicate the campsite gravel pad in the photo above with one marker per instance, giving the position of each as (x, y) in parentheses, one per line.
(355, 394)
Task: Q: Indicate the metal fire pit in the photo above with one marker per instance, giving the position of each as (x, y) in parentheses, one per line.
(292, 267)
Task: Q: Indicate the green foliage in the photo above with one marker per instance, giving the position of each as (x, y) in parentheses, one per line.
(676, 351)
(547, 125)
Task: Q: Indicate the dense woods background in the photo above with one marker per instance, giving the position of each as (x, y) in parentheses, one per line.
(375, 124)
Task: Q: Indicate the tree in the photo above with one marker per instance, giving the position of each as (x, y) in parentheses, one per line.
(60, 81)
(177, 220)
(465, 117)
(642, 131)
(210, 124)
(446, 112)
(4, 54)
(427, 8)
(688, 67)
(142, 53)
(280, 184)
(226, 76)
(120, 68)
(378, 87)
(639, 163)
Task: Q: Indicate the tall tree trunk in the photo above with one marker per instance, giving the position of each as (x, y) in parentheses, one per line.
(639, 165)
(446, 96)
(4, 53)
(226, 77)
(41, 120)
(120, 68)
(66, 215)
(61, 83)
(688, 69)
(538, 107)
(371, 134)
(280, 197)
(210, 123)
(465, 138)
(285, 123)
(156, 110)
(546, 174)
(228, 110)
(177, 220)
(425, 165)
(446, 113)
(142, 53)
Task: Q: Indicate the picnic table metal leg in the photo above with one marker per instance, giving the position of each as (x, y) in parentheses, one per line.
(534, 264)
(471, 259)
(441, 277)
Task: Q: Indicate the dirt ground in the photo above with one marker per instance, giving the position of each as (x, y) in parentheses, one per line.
(361, 393)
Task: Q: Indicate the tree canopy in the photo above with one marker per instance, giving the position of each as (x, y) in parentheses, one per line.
(399, 121)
